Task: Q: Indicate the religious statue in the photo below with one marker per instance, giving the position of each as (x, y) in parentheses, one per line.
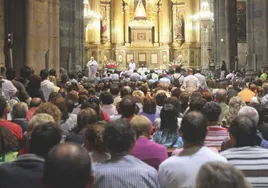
(104, 37)
(92, 66)
(179, 27)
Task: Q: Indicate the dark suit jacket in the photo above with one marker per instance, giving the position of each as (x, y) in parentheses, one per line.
(23, 123)
(25, 172)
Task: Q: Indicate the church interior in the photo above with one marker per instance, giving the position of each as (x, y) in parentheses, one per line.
(199, 33)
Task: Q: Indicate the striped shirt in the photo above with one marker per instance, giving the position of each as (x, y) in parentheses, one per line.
(125, 172)
(215, 136)
(252, 161)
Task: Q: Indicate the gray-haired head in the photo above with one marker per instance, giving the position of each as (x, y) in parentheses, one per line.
(19, 110)
(251, 113)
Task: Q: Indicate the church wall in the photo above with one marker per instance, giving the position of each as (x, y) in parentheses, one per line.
(71, 34)
(2, 33)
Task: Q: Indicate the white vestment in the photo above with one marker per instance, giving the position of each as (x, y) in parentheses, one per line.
(92, 66)
(132, 66)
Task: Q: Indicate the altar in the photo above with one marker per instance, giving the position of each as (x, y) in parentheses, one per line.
(145, 33)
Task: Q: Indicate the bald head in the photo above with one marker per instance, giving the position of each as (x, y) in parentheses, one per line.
(221, 95)
(35, 102)
(68, 165)
(253, 87)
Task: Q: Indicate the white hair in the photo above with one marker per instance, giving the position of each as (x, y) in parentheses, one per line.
(39, 119)
(251, 113)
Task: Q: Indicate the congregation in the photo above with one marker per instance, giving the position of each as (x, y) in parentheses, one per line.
(170, 129)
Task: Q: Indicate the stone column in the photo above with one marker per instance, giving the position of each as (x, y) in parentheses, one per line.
(225, 33)
(95, 6)
(117, 24)
(2, 33)
(53, 34)
(257, 31)
(206, 41)
(108, 17)
(191, 36)
(156, 25)
(231, 33)
(165, 22)
(126, 11)
(42, 35)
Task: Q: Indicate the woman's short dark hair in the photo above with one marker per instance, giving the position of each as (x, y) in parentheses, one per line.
(212, 111)
(44, 74)
(149, 105)
(175, 102)
(114, 89)
(127, 107)
(194, 127)
(197, 104)
(176, 92)
(160, 98)
(119, 136)
(207, 96)
(35, 82)
(86, 117)
(52, 72)
(124, 92)
(43, 138)
(106, 98)
(94, 137)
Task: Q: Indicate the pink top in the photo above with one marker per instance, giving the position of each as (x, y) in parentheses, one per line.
(150, 152)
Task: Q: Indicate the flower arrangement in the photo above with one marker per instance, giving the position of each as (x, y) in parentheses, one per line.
(176, 63)
(111, 65)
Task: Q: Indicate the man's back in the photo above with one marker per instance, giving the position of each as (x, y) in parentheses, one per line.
(25, 172)
(202, 80)
(47, 87)
(126, 171)
(253, 161)
(9, 89)
(181, 171)
(190, 83)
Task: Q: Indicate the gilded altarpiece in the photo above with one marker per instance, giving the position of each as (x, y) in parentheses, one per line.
(171, 34)
(181, 48)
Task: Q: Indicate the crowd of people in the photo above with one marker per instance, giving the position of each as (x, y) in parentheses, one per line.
(168, 129)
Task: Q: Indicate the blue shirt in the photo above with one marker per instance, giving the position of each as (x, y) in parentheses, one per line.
(125, 172)
(169, 140)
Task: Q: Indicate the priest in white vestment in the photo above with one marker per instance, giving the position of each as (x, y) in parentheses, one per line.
(92, 66)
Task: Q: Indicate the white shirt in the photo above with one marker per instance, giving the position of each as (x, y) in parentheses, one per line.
(135, 77)
(190, 83)
(178, 76)
(142, 70)
(181, 171)
(132, 66)
(47, 87)
(230, 76)
(164, 81)
(114, 76)
(202, 80)
(8, 89)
